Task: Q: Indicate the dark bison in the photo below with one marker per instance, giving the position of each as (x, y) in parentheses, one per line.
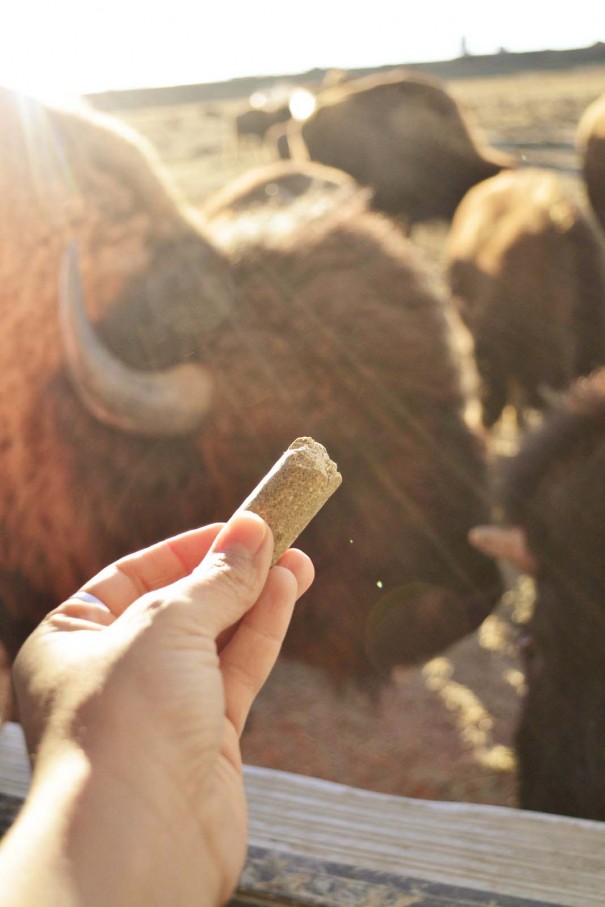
(526, 269)
(204, 363)
(255, 122)
(403, 136)
(554, 498)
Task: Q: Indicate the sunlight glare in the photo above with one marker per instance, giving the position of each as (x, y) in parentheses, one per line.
(302, 104)
(70, 47)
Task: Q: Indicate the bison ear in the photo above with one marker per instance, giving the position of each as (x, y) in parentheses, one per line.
(162, 403)
(507, 544)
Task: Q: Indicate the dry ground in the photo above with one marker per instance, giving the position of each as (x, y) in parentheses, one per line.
(443, 730)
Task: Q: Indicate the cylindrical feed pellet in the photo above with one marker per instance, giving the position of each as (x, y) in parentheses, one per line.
(293, 491)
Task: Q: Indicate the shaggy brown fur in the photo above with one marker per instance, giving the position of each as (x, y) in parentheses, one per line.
(591, 146)
(527, 272)
(402, 135)
(327, 329)
(555, 490)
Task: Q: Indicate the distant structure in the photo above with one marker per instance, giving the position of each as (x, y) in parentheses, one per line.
(464, 51)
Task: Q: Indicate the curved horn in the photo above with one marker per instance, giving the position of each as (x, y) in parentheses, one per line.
(506, 544)
(163, 403)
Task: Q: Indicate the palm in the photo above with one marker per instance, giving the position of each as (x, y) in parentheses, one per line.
(183, 693)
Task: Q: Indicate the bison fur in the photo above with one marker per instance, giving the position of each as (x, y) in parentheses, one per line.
(329, 327)
(590, 140)
(526, 269)
(402, 135)
(554, 489)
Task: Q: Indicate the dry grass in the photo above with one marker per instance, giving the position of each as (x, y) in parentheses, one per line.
(444, 730)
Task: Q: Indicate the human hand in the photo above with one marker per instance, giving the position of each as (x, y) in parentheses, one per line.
(145, 695)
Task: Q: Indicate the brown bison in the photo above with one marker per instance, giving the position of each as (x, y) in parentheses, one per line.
(403, 136)
(527, 272)
(591, 146)
(203, 364)
(276, 187)
(554, 498)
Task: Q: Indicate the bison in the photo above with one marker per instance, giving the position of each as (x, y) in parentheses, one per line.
(403, 136)
(526, 269)
(590, 140)
(264, 192)
(156, 405)
(554, 499)
(255, 122)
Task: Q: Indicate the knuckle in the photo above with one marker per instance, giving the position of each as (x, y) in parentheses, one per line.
(235, 575)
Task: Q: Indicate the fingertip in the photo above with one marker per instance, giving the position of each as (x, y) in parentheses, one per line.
(231, 576)
(245, 532)
(284, 583)
(300, 566)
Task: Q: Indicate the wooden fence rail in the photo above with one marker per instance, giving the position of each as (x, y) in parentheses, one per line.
(322, 844)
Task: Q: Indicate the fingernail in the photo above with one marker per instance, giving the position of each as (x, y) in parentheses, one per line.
(244, 533)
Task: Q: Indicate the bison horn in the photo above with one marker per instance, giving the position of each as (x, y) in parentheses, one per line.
(162, 403)
(506, 544)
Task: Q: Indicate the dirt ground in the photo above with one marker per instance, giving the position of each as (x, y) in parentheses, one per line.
(443, 730)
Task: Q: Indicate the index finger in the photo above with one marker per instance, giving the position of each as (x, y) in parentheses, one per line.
(120, 584)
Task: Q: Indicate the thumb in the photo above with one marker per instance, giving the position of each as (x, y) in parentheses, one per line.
(231, 577)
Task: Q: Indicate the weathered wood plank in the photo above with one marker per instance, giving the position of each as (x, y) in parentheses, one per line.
(15, 773)
(277, 878)
(321, 844)
(495, 850)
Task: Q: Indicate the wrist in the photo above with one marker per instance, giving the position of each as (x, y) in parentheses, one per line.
(102, 842)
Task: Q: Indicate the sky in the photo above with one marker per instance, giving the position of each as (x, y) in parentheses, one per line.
(56, 47)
